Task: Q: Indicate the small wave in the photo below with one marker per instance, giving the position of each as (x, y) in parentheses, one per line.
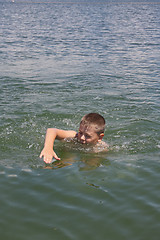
(12, 175)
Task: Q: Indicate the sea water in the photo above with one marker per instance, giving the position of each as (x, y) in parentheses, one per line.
(57, 63)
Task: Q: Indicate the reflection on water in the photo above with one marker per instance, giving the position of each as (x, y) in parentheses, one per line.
(75, 153)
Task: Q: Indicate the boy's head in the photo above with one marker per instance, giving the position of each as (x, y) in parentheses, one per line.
(91, 128)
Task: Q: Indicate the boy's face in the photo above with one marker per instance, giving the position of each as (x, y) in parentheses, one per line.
(88, 135)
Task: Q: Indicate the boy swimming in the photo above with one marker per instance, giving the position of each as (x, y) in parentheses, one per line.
(91, 132)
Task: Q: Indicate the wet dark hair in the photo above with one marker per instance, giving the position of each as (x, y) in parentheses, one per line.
(95, 119)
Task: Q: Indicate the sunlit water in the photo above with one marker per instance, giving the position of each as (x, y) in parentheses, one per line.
(57, 63)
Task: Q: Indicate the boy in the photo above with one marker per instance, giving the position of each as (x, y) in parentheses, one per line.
(91, 132)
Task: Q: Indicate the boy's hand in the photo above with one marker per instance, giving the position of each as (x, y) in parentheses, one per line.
(48, 154)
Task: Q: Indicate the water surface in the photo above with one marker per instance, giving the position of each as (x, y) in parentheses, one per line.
(57, 63)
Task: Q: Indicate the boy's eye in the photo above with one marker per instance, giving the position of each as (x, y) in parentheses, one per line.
(88, 136)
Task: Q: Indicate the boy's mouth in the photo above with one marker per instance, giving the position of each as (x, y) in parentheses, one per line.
(80, 141)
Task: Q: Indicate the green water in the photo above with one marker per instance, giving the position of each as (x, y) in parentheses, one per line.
(59, 62)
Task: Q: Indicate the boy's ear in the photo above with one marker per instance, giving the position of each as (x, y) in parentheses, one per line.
(100, 137)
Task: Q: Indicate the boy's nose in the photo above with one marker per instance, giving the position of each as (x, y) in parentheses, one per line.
(82, 138)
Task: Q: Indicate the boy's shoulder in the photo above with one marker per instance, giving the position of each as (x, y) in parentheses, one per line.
(101, 147)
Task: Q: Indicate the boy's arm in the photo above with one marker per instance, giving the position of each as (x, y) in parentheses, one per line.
(52, 134)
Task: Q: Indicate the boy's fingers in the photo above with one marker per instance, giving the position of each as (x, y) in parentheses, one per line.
(56, 157)
(47, 159)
